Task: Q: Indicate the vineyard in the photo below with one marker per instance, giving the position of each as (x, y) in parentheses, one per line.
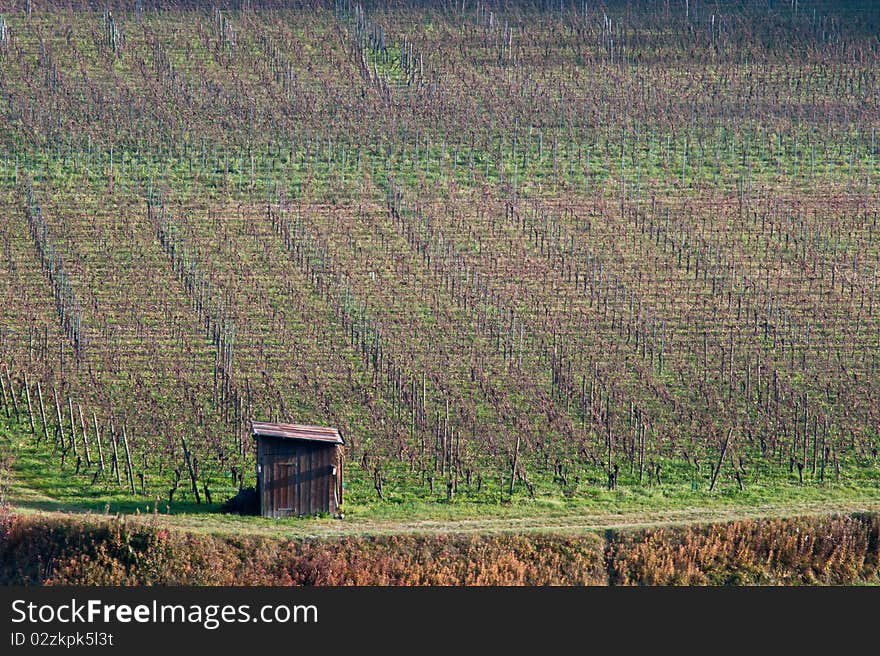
(520, 253)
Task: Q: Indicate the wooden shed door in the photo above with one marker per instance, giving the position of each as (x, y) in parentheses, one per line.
(301, 485)
(284, 478)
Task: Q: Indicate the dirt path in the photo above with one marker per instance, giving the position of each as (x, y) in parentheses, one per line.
(571, 524)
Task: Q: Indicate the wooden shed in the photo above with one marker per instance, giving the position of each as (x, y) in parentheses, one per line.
(299, 469)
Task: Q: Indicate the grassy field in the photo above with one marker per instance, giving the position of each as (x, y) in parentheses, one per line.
(558, 268)
(33, 488)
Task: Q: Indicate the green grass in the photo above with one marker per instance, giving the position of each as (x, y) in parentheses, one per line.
(35, 482)
(650, 156)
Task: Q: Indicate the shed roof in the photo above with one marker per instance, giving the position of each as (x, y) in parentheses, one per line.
(324, 434)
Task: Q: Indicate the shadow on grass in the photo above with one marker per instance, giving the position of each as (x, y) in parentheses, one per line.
(107, 507)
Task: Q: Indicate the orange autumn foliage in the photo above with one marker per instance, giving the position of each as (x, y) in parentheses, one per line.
(91, 551)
